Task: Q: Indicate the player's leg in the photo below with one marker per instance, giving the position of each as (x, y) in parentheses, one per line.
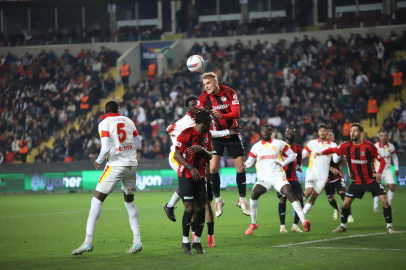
(390, 181)
(309, 184)
(170, 206)
(311, 202)
(200, 206)
(215, 178)
(186, 186)
(378, 190)
(376, 207)
(298, 191)
(241, 184)
(209, 209)
(257, 191)
(354, 191)
(282, 212)
(330, 191)
(341, 190)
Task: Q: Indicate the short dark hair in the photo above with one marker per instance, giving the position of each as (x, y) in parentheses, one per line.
(189, 99)
(112, 107)
(203, 116)
(323, 126)
(332, 131)
(358, 125)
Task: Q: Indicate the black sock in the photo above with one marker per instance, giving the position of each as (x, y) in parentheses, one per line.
(193, 225)
(342, 195)
(345, 212)
(215, 181)
(387, 213)
(210, 228)
(186, 220)
(200, 220)
(296, 219)
(333, 203)
(242, 184)
(282, 212)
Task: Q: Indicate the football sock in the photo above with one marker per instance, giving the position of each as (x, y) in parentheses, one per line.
(215, 180)
(296, 219)
(376, 200)
(210, 228)
(282, 212)
(299, 211)
(242, 199)
(387, 213)
(333, 203)
(242, 184)
(390, 196)
(253, 207)
(200, 220)
(134, 222)
(388, 225)
(193, 226)
(175, 198)
(307, 208)
(345, 212)
(218, 199)
(95, 209)
(186, 220)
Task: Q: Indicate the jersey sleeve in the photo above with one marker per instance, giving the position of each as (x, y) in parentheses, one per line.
(234, 106)
(181, 143)
(210, 147)
(284, 146)
(253, 152)
(201, 102)
(309, 147)
(104, 129)
(392, 149)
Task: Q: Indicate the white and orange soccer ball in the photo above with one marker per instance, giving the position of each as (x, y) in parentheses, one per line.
(195, 63)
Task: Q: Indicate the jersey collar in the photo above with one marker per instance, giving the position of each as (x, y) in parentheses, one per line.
(328, 141)
(263, 142)
(191, 116)
(110, 115)
(380, 145)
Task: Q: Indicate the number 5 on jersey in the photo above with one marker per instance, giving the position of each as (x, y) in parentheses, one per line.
(120, 130)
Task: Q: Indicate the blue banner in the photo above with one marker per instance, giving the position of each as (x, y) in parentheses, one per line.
(151, 51)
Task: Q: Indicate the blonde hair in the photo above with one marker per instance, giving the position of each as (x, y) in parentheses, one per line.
(209, 75)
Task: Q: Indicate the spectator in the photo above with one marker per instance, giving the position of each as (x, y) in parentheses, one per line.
(23, 144)
(346, 129)
(372, 110)
(125, 72)
(397, 84)
(169, 56)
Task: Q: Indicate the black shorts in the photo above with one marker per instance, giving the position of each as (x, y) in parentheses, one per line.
(357, 191)
(233, 144)
(209, 191)
(191, 190)
(296, 188)
(331, 188)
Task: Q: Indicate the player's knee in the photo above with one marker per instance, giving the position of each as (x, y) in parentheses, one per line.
(255, 195)
(214, 170)
(290, 196)
(189, 207)
(178, 192)
(240, 169)
(392, 188)
(282, 199)
(385, 203)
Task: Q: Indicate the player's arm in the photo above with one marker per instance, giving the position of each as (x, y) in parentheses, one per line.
(222, 133)
(105, 148)
(306, 151)
(382, 163)
(334, 170)
(201, 102)
(179, 149)
(336, 158)
(336, 150)
(252, 157)
(395, 162)
(235, 110)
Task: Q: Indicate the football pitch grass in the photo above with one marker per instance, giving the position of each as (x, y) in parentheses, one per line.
(40, 232)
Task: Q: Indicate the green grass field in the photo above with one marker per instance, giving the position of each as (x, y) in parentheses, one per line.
(40, 231)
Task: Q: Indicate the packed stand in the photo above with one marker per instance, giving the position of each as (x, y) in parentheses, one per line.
(42, 94)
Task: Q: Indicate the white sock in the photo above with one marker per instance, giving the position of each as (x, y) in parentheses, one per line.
(299, 211)
(175, 198)
(185, 239)
(344, 225)
(350, 216)
(294, 225)
(242, 199)
(283, 226)
(390, 196)
(197, 239)
(253, 207)
(376, 200)
(218, 199)
(388, 225)
(306, 208)
(134, 222)
(95, 209)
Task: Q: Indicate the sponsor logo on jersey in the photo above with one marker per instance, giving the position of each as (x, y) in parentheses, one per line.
(178, 144)
(224, 99)
(235, 102)
(124, 148)
(221, 107)
(188, 197)
(268, 157)
(356, 161)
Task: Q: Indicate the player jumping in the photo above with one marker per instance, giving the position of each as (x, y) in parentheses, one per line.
(387, 150)
(119, 141)
(268, 153)
(360, 156)
(193, 149)
(225, 107)
(297, 189)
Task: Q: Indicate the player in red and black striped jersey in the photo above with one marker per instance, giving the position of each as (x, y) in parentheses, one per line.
(360, 156)
(192, 151)
(225, 107)
(335, 182)
(291, 175)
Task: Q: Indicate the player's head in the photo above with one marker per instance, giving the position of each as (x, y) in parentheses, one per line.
(356, 131)
(203, 117)
(112, 107)
(331, 135)
(290, 134)
(210, 82)
(383, 137)
(191, 103)
(266, 132)
(323, 131)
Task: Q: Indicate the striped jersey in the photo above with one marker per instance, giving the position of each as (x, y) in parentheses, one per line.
(290, 169)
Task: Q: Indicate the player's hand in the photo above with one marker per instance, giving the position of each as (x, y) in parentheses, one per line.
(317, 154)
(277, 162)
(396, 173)
(334, 170)
(343, 160)
(299, 168)
(235, 130)
(196, 175)
(169, 128)
(96, 165)
(195, 149)
(216, 114)
(378, 177)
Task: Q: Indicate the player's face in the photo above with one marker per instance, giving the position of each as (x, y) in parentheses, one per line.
(355, 134)
(290, 134)
(383, 137)
(210, 85)
(323, 133)
(192, 106)
(266, 133)
(331, 137)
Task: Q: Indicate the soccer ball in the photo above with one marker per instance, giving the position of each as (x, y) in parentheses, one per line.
(195, 63)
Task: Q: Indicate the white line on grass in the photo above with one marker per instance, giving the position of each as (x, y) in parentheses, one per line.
(57, 213)
(380, 249)
(332, 239)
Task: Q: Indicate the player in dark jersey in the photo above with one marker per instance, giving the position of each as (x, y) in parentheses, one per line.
(335, 182)
(193, 149)
(224, 105)
(360, 156)
(290, 171)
